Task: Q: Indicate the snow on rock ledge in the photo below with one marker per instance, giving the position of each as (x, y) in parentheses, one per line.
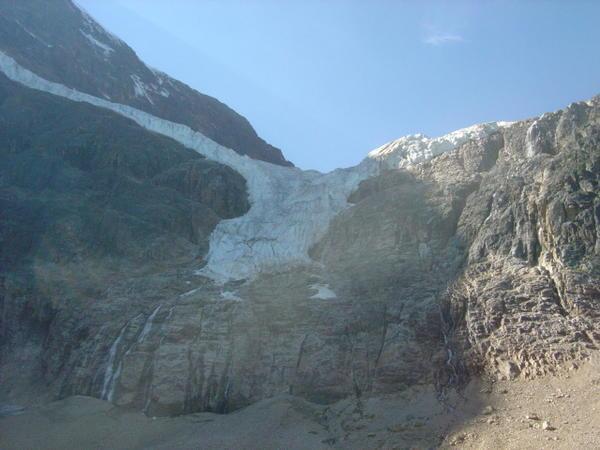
(416, 148)
(324, 292)
(290, 208)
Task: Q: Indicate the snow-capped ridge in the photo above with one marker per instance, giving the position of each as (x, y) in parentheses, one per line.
(290, 209)
(92, 25)
(415, 148)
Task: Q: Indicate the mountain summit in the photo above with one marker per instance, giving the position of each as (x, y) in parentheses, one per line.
(60, 42)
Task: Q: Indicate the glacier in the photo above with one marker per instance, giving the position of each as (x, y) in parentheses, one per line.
(290, 208)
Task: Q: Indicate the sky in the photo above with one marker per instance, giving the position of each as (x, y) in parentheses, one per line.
(329, 80)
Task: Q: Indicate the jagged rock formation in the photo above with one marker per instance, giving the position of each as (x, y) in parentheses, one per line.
(47, 37)
(432, 259)
(529, 298)
(433, 268)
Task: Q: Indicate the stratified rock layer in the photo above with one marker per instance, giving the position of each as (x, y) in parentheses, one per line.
(482, 258)
(529, 297)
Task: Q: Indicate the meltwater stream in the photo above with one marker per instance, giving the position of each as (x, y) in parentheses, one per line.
(148, 325)
(109, 374)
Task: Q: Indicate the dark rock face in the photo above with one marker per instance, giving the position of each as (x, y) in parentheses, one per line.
(89, 200)
(483, 258)
(80, 172)
(47, 36)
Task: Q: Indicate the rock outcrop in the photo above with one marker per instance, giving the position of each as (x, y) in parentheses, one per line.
(482, 258)
(47, 36)
(477, 251)
(89, 199)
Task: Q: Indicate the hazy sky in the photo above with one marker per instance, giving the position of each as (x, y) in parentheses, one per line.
(327, 81)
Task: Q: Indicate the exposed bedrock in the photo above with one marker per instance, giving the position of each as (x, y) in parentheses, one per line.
(482, 258)
(528, 300)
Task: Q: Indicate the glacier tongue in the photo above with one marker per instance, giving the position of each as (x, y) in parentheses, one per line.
(290, 208)
(291, 211)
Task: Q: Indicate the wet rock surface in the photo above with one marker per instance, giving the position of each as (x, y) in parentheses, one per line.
(528, 300)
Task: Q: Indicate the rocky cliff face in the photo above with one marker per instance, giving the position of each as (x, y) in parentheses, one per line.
(477, 251)
(47, 37)
(528, 300)
(482, 258)
(89, 198)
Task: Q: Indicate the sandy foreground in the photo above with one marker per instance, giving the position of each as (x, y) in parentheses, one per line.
(555, 412)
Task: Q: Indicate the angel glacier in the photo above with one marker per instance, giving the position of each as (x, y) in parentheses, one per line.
(290, 208)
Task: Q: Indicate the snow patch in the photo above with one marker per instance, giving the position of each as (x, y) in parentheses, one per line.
(324, 292)
(162, 79)
(106, 49)
(163, 92)
(188, 293)
(140, 88)
(92, 25)
(144, 90)
(505, 124)
(531, 139)
(34, 36)
(228, 295)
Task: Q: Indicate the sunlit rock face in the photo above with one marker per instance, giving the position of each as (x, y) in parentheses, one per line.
(529, 298)
(146, 263)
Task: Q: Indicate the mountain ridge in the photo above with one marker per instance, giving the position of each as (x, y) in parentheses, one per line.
(106, 67)
(146, 264)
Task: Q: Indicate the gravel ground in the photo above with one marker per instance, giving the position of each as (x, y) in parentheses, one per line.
(554, 412)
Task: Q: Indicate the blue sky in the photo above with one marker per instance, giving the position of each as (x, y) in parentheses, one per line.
(327, 81)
